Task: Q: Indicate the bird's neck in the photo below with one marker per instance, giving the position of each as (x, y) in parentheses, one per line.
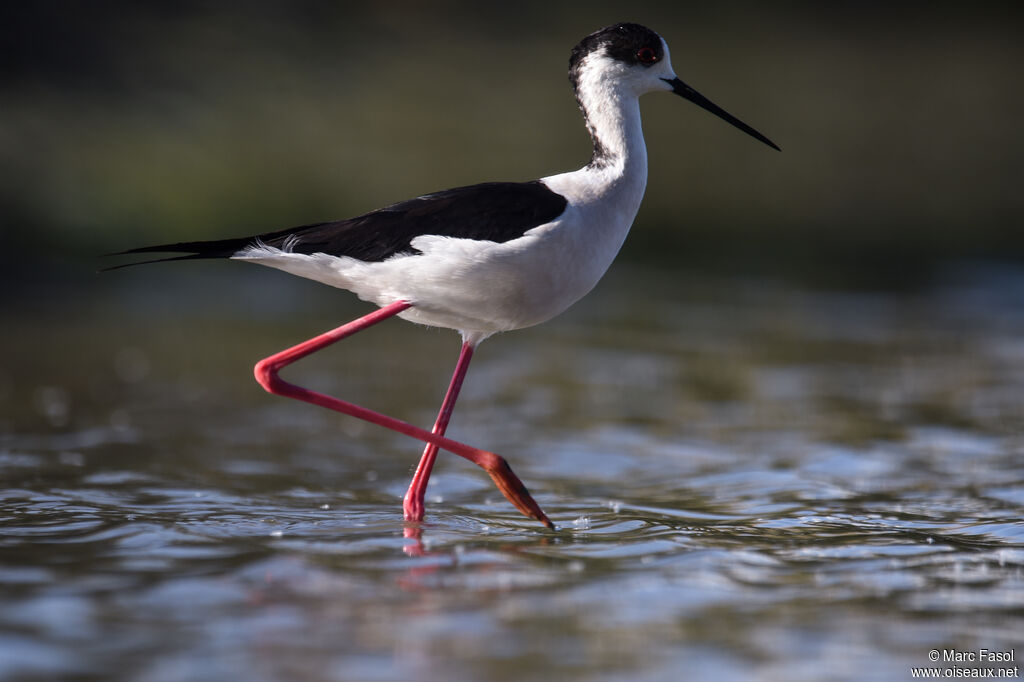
(613, 120)
(606, 193)
(613, 182)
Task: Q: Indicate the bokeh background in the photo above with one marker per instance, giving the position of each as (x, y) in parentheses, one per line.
(781, 439)
(123, 124)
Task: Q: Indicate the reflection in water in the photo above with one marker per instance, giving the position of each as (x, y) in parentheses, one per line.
(748, 481)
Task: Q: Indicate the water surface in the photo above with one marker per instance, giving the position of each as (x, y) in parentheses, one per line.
(750, 480)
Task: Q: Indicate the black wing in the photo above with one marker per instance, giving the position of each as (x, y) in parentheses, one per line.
(492, 211)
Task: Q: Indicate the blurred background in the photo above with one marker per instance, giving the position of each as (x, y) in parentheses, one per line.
(124, 124)
(782, 438)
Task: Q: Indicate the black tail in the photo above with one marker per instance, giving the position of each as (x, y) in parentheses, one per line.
(220, 248)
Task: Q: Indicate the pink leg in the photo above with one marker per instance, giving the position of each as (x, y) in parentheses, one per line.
(413, 503)
(266, 372)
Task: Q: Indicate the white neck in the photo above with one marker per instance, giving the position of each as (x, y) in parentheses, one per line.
(612, 116)
(617, 173)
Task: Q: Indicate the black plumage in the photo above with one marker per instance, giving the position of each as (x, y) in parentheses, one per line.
(491, 211)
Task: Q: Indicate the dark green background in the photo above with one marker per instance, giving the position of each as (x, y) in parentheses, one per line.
(123, 124)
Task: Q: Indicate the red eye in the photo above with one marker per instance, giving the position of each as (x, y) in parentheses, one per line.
(646, 55)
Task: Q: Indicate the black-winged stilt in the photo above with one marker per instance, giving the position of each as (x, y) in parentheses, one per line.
(485, 258)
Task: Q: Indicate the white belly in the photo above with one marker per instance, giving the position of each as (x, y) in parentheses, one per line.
(482, 287)
(478, 288)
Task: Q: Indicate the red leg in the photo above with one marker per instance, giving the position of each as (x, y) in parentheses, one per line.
(413, 503)
(266, 371)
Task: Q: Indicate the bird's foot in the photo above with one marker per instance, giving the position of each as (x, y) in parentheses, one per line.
(515, 492)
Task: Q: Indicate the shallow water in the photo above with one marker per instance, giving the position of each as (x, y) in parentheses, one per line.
(750, 481)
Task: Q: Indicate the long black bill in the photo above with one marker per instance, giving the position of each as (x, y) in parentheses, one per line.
(686, 92)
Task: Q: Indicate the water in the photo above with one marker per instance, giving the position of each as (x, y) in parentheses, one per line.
(750, 481)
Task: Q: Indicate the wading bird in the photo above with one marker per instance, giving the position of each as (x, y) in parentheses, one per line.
(485, 258)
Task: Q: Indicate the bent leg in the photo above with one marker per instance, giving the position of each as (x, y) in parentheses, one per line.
(266, 372)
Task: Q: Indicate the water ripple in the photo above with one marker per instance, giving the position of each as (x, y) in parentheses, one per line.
(740, 488)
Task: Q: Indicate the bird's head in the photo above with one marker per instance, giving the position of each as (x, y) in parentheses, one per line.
(630, 60)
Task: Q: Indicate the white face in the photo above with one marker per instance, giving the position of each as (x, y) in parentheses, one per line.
(601, 71)
(662, 71)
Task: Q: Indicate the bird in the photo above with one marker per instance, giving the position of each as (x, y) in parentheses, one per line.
(485, 258)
